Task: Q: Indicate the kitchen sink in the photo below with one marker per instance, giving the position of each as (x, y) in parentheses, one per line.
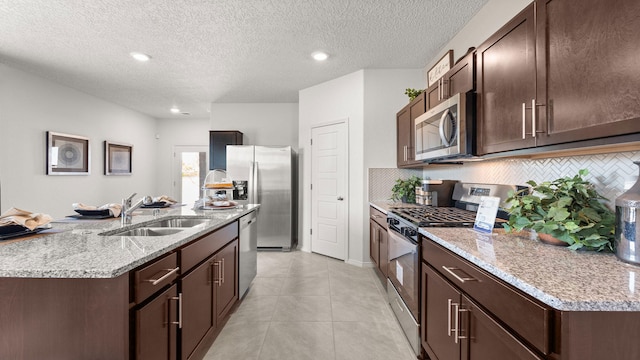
(145, 231)
(177, 223)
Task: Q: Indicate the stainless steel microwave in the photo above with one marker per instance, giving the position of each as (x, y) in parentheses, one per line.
(445, 133)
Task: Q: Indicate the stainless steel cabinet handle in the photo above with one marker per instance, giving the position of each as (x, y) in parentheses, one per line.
(524, 121)
(449, 302)
(217, 280)
(222, 267)
(405, 153)
(456, 323)
(461, 329)
(461, 279)
(163, 277)
(533, 118)
(179, 299)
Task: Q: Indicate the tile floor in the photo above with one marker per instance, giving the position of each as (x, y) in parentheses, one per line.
(307, 306)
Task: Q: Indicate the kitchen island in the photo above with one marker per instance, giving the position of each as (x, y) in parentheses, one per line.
(85, 292)
(517, 297)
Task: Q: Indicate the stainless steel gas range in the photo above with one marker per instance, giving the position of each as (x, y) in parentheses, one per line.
(403, 283)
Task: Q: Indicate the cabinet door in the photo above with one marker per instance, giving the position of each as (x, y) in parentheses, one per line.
(218, 141)
(506, 81)
(197, 308)
(226, 283)
(406, 137)
(484, 339)
(440, 301)
(460, 78)
(374, 242)
(434, 94)
(156, 327)
(588, 66)
(383, 251)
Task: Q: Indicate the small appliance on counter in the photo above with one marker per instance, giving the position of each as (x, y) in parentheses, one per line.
(627, 227)
(218, 185)
(435, 192)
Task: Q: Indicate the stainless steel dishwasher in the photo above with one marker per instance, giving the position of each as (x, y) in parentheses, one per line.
(248, 256)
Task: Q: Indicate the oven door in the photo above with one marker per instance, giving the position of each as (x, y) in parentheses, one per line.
(404, 269)
(438, 131)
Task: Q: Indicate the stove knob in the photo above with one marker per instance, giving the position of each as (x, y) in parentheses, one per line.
(392, 221)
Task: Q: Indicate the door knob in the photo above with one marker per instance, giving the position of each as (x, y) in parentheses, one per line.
(340, 198)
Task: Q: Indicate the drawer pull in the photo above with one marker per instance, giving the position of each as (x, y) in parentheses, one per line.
(456, 323)
(163, 277)
(461, 279)
(222, 267)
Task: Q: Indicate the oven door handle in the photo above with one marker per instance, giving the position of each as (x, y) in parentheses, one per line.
(445, 140)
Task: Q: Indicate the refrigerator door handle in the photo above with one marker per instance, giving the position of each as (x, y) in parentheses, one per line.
(253, 186)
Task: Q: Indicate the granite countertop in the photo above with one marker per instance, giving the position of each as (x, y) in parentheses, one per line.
(77, 250)
(558, 277)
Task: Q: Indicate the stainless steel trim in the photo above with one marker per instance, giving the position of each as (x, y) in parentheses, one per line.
(163, 277)
(222, 267)
(456, 323)
(217, 280)
(252, 184)
(179, 322)
(524, 120)
(461, 328)
(462, 280)
(445, 141)
(405, 153)
(404, 317)
(533, 118)
(449, 301)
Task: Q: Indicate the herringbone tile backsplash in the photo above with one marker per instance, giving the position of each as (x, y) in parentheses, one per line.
(610, 173)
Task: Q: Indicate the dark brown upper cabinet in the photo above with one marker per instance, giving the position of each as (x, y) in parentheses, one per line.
(506, 81)
(218, 141)
(405, 131)
(560, 72)
(588, 69)
(459, 79)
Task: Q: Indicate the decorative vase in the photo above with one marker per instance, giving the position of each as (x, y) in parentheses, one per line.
(627, 228)
(549, 239)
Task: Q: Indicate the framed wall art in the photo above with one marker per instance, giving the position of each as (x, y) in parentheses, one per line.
(67, 154)
(117, 158)
(440, 68)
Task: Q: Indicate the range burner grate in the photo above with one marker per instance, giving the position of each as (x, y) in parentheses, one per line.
(436, 216)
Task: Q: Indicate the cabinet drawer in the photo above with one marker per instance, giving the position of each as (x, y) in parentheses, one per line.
(194, 253)
(378, 216)
(155, 276)
(525, 316)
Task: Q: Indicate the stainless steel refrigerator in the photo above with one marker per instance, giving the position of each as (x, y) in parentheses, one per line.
(266, 175)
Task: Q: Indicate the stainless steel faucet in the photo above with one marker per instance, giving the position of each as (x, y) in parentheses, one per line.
(128, 209)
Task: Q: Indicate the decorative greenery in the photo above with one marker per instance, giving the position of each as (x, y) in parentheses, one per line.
(569, 209)
(412, 93)
(405, 190)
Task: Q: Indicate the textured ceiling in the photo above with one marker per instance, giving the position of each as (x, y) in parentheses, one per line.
(221, 51)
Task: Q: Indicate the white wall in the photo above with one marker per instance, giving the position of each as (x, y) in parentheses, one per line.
(338, 99)
(260, 123)
(173, 132)
(29, 106)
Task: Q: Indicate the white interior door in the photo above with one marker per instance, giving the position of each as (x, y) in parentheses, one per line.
(191, 165)
(329, 190)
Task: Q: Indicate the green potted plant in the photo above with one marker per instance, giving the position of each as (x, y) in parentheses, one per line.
(412, 93)
(568, 209)
(405, 189)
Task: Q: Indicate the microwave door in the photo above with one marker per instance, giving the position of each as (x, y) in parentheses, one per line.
(429, 143)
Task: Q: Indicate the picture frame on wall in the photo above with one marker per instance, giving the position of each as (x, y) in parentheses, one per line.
(117, 158)
(67, 154)
(440, 68)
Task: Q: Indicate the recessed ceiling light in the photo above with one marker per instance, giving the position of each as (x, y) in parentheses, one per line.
(319, 56)
(140, 56)
(175, 110)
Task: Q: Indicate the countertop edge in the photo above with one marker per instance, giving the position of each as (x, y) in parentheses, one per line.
(536, 293)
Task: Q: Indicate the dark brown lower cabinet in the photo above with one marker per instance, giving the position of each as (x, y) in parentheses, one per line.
(455, 328)
(226, 287)
(156, 327)
(197, 311)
